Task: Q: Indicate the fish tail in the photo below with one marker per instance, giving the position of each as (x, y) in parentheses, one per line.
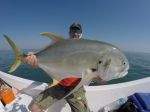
(18, 54)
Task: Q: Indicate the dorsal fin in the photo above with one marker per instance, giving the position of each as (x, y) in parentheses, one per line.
(53, 36)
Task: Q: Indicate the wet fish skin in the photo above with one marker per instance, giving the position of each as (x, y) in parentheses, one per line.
(71, 57)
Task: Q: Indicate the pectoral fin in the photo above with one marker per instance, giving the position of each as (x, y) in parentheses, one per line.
(87, 76)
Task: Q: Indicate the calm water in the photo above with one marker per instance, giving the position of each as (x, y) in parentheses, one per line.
(139, 67)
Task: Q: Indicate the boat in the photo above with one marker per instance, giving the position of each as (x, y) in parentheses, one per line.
(98, 97)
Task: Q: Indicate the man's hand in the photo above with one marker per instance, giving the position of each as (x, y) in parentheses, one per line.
(31, 59)
(98, 80)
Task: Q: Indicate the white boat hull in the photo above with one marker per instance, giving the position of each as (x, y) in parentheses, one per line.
(97, 96)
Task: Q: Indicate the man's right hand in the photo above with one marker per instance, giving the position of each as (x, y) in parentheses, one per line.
(31, 59)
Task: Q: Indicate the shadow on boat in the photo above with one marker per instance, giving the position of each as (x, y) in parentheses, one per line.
(33, 89)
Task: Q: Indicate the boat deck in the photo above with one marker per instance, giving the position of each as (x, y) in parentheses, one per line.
(20, 104)
(22, 101)
(97, 96)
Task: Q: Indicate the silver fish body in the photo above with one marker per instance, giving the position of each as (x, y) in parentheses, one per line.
(70, 57)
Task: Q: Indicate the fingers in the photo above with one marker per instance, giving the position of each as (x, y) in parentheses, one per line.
(31, 59)
(98, 80)
(35, 63)
(30, 53)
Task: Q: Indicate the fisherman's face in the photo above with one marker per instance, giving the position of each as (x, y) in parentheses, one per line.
(75, 34)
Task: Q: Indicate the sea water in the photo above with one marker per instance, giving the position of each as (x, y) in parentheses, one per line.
(139, 67)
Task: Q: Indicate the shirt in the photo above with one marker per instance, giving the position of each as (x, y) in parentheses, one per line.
(70, 82)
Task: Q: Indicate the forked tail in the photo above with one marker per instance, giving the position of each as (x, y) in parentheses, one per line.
(18, 54)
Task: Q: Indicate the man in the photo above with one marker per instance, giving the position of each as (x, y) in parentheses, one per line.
(77, 100)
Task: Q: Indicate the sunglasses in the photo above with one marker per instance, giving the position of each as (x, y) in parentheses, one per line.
(76, 31)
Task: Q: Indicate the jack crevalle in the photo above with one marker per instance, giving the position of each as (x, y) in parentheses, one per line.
(81, 58)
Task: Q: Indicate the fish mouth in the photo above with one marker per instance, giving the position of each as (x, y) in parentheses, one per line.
(123, 74)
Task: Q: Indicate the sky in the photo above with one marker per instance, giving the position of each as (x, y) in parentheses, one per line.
(124, 23)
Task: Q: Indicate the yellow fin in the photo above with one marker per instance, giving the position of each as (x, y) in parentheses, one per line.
(54, 83)
(14, 66)
(53, 36)
(17, 53)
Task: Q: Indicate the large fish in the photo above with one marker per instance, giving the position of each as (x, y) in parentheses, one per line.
(79, 58)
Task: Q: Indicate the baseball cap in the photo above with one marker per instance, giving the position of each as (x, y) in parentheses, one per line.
(76, 27)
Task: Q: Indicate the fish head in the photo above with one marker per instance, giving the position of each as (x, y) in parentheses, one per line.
(112, 65)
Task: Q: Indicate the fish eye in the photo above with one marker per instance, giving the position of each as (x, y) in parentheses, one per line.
(100, 62)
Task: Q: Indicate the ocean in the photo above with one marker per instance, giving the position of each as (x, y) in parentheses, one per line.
(139, 67)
